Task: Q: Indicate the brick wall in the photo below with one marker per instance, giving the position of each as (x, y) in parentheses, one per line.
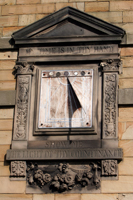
(15, 14)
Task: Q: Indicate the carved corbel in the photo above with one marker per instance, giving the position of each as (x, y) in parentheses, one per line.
(23, 68)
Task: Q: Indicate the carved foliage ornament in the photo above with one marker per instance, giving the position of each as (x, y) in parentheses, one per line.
(23, 68)
(109, 121)
(109, 167)
(63, 177)
(18, 169)
(22, 107)
(111, 65)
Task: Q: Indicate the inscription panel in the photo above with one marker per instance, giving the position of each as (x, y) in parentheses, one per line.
(59, 154)
(68, 50)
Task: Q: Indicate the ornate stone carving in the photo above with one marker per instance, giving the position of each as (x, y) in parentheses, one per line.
(22, 103)
(109, 167)
(23, 68)
(109, 105)
(63, 177)
(18, 169)
(111, 65)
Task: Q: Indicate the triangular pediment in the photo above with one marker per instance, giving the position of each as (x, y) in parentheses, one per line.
(65, 23)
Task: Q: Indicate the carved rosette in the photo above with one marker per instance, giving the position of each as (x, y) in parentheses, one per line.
(110, 105)
(109, 168)
(23, 68)
(18, 169)
(64, 177)
(22, 107)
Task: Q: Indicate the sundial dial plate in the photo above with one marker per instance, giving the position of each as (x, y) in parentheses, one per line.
(66, 99)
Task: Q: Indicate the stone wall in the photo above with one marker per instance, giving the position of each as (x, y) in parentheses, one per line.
(15, 14)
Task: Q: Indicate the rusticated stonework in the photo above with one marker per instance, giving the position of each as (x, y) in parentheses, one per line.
(18, 169)
(22, 107)
(23, 68)
(110, 105)
(64, 177)
(109, 167)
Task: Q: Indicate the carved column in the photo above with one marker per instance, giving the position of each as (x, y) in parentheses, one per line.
(110, 92)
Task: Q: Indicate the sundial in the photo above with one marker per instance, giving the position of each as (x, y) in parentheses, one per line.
(66, 99)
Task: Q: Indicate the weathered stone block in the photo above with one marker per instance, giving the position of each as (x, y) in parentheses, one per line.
(67, 196)
(43, 196)
(128, 27)
(40, 16)
(7, 85)
(111, 17)
(127, 51)
(127, 73)
(25, 20)
(96, 6)
(127, 61)
(8, 55)
(6, 113)
(128, 16)
(8, 21)
(123, 185)
(5, 137)
(125, 130)
(7, 2)
(27, 1)
(3, 149)
(15, 197)
(126, 83)
(7, 64)
(121, 5)
(27, 9)
(99, 196)
(6, 125)
(127, 146)
(4, 171)
(79, 6)
(6, 75)
(125, 196)
(126, 114)
(53, 1)
(7, 31)
(126, 167)
(7, 186)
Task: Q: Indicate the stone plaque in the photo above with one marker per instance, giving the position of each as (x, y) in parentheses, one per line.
(64, 154)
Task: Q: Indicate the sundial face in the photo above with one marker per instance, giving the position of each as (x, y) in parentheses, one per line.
(66, 99)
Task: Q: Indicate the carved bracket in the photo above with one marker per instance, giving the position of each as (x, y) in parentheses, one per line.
(23, 68)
